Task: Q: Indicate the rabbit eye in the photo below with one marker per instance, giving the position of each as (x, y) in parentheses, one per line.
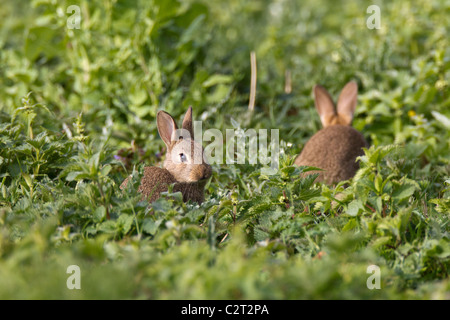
(183, 157)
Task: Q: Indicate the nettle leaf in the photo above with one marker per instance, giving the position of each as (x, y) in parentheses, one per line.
(404, 216)
(108, 226)
(376, 155)
(381, 241)
(77, 175)
(364, 186)
(438, 248)
(72, 175)
(404, 189)
(378, 204)
(15, 169)
(99, 214)
(307, 169)
(161, 205)
(350, 225)
(256, 206)
(105, 170)
(403, 192)
(397, 225)
(307, 194)
(150, 225)
(288, 170)
(354, 208)
(25, 149)
(94, 162)
(124, 222)
(260, 235)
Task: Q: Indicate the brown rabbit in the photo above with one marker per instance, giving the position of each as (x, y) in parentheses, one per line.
(335, 147)
(184, 164)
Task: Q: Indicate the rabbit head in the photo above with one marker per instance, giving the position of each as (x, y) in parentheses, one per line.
(345, 108)
(184, 157)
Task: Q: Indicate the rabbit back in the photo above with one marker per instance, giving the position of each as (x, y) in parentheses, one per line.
(154, 181)
(333, 149)
(157, 180)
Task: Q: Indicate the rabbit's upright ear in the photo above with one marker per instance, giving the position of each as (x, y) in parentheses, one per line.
(166, 126)
(187, 122)
(347, 102)
(324, 105)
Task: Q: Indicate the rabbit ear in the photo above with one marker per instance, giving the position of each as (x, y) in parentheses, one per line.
(187, 122)
(324, 105)
(166, 126)
(347, 102)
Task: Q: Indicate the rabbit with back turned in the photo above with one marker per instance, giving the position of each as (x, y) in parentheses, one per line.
(184, 165)
(335, 147)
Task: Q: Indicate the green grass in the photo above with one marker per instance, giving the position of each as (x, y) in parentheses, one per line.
(77, 116)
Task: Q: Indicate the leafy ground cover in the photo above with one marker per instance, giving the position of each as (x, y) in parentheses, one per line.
(77, 116)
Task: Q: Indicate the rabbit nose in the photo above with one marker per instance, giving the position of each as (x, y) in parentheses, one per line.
(201, 173)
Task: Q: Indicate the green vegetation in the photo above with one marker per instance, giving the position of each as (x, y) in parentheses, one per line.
(77, 116)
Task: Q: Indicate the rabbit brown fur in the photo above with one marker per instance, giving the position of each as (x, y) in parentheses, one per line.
(184, 166)
(335, 147)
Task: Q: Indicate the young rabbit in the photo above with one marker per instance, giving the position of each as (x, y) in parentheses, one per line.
(335, 147)
(184, 164)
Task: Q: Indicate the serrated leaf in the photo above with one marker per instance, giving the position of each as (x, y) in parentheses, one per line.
(161, 205)
(404, 190)
(108, 226)
(99, 214)
(150, 226)
(381, 241)
(354, 208)
(124, 222)
(73, 175)
(350, 225)
(106, 169)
